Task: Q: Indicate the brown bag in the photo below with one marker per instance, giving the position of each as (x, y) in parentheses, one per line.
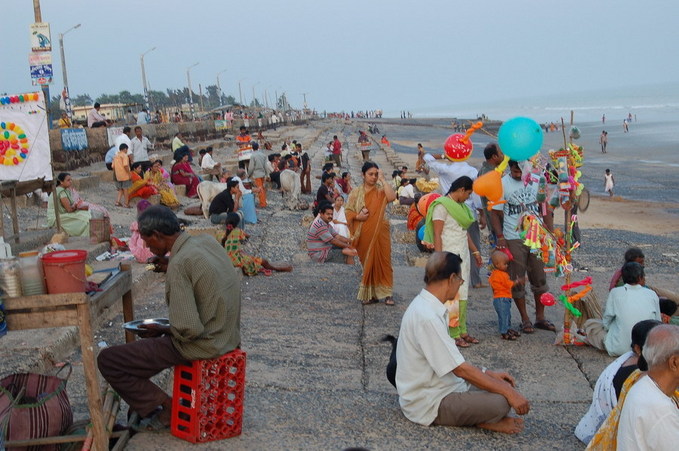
(43, 410)
(100, 230)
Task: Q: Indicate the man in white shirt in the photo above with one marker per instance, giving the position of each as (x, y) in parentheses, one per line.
(124, 138)
(95, 119)
(432, 378)
(649, 419)
(143, 117)
(209, 166)
(140, 149)
(625, 306)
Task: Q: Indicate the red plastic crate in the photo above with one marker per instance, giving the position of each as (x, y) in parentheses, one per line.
(207, 399)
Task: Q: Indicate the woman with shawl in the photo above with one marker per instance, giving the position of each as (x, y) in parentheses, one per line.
(448, 219)
(141, 187)
(369, 228)
(182, 174)
(74, 212)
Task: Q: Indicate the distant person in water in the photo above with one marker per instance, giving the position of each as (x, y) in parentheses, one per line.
(603, 140)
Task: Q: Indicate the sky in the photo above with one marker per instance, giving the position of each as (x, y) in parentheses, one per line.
(351, 54)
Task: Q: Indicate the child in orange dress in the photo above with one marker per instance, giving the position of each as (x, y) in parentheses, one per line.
(502, 295)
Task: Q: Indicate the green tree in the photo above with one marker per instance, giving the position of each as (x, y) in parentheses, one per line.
(82, 100)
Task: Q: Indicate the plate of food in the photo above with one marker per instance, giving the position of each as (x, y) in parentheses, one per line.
(133, 326)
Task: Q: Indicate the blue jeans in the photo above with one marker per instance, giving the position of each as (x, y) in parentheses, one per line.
(503, 307)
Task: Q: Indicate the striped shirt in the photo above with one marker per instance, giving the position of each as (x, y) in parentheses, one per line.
(318, 240)
(202, 290)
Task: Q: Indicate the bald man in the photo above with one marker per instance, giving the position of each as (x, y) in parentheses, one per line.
(436, 386)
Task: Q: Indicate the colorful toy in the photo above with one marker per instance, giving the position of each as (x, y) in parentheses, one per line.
(459, 147)
(14, 145)
(547, 299)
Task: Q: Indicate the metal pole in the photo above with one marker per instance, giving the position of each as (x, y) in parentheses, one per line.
(200, 93)
(143, 79)
(188, 78)
(240, 93)
(219, 89)
(266, 98)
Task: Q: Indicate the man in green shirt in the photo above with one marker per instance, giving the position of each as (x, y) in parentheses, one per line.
(203, 296)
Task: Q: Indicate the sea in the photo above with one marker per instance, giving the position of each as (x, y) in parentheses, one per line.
(644, 160)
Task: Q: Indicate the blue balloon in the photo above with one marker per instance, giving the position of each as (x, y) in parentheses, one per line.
(520, 138)
(420, 233)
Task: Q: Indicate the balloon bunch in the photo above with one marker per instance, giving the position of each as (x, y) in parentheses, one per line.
(21, 98)
(567, 161)
(13, 144)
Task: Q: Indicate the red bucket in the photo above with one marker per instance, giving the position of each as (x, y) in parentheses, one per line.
(65, 271)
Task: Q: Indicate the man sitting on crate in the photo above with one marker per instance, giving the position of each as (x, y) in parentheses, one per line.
(203, 296)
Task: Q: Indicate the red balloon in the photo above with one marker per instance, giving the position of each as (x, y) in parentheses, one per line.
(425, 201)
(547, 299)
(457, 149)
(15, 160)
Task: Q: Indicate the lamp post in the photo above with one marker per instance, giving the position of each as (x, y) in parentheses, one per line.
(240, 92)
(67, 97)
(254, 97)
(219, 88)
(188, 79)
(143, 78)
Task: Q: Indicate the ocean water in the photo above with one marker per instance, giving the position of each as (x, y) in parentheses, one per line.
(650, 103)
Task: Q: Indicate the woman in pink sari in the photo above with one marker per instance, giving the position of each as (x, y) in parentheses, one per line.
(182, 174)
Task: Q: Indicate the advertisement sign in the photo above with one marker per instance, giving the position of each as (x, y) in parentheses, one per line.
(221, 125)
(73, 139)
(41, 41)
(41, 67)
(113, 133)
(24, 138)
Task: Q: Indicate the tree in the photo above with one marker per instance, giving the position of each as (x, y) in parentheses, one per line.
(82, 100)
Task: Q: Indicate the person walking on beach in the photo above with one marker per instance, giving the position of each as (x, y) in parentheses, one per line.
(609, 182)
(603, 140)
(625, 126)
(603, 119)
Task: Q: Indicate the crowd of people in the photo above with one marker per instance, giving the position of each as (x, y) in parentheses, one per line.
(633, 399)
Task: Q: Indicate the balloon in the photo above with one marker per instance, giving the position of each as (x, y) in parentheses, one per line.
(3, 125)
(420, 233)
(489, 185)
(36, 96)
(23, 155)
(457, 147)
(547, 299)
(15, 160)
(425, 201)
(520, 138)
(21, 98)
(6, 134)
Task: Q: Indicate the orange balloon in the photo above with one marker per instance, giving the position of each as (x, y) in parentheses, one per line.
(489, 185)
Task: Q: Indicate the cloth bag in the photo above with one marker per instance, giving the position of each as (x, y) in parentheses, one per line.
(34, 406)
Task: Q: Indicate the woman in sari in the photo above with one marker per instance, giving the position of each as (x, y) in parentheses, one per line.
(74, 212)
(141, 187)
(369, 228)
(448, 218)
(157, 178)
(182, 174)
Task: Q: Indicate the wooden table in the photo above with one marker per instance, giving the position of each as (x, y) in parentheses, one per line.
(81, 310)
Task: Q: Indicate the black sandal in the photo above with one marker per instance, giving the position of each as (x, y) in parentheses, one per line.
(508, 337)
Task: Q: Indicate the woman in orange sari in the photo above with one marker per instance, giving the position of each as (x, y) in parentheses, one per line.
(140, 185)
(369, 228)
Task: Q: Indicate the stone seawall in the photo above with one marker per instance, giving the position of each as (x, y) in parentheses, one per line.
(161, 134)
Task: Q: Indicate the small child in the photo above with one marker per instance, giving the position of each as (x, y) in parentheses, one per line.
(609, 182)
(502, 295)
(121, 175)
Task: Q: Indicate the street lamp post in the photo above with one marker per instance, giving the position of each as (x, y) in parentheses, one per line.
(254, 97)
(143, 79)
(240, 92)
(188, 79)
(219, 88)
(67, 99)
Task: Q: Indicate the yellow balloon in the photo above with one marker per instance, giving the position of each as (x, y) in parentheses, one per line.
(7, 162)
(10, 153)
(502, 166)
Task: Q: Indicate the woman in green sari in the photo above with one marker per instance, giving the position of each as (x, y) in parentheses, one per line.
(448, 219)
(74, 212)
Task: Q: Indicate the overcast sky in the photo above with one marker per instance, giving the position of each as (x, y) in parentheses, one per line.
(352, 54)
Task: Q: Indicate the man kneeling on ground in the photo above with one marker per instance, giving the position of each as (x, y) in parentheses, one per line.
(435, 385)
(321, 238)
(203, 298)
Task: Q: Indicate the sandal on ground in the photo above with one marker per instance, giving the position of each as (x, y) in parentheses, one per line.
(461, 343)
(370, 301)
(544, 324)
(151, 424)
(516, 333)
(508, 336)
(527, 327)
(118, 204)
(469, 339)
(389, 301)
